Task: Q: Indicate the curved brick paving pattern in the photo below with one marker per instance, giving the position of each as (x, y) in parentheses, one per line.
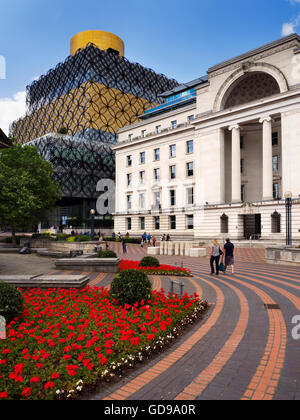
(241, 349)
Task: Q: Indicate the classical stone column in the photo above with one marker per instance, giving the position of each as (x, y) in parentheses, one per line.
(267, 158)
(236, 179)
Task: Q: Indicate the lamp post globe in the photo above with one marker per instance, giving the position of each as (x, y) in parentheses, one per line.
(92, 213)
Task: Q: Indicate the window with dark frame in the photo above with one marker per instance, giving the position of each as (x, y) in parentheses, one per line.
(156, 222)
(172, 198)
(190, 169)
(190, 222)
(275, 139)
(129, 224)
(173, 172)
(173, 222)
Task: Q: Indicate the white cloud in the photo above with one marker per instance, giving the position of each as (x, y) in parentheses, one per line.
(289, 28)
(12, 109)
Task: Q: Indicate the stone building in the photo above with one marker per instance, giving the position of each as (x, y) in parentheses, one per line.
(218, 158)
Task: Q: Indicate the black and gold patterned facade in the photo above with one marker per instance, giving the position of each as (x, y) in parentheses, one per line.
(92, 94)
(86, 99)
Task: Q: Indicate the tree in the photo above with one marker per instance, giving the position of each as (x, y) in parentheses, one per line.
(27, 189)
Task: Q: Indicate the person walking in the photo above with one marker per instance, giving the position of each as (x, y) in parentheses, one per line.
(229, 255)
(215, 254)
(124, 245)
(149, 237)
(154, 241)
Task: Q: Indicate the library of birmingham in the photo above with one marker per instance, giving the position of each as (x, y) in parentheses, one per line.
(214, 157)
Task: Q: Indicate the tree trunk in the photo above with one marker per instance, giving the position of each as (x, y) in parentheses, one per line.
(13, 235)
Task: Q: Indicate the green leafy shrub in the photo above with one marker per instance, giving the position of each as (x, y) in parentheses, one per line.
(11, 302)
(149, 262)
(131, 286)
(71, 239)
(82, 238)
(61, 237)
(107, 254)
(40, 236)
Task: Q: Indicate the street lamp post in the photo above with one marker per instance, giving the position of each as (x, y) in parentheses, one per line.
(92, 212)
(288, 206)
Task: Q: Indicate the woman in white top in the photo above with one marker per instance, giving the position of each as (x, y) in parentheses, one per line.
(215, 254)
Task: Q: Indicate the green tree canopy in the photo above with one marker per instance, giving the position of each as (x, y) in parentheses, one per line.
(27, 189)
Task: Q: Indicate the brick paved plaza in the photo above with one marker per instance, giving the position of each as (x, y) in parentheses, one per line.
(240, 350)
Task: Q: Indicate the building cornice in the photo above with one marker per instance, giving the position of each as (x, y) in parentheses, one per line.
(283, 43)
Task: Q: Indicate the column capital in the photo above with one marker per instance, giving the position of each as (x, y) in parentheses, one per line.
(267, 118)
(234, 127)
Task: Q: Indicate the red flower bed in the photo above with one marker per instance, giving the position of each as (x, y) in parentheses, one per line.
(163, 269)
(69, 339)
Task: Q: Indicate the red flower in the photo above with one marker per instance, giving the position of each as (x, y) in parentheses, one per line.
(135, 341)
(34, 380)
(26, 392)
(55, 375)
(49, 385)
(150, 337)
(3, 394)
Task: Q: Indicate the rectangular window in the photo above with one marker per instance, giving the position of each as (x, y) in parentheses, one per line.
(174, 124)
(130, 137)
(242, 142)
(190, 196)
(172, 198)
(129, 161)
(191, 118)
(143, 158)
(243, 190)
(143, 132)
(173, 172)
(142, 177)
(129, 202)
(275, 164)
(157, 175)
(142, 223)
(156, 222)
(173, 222)
(276, 191)
(172, 151)
(129, 180)
(275, 140)
(142, 201)
(190, 169)
(157, 155)
(190, 147)
(157, 199)
(158, 129)
(129, 224)
(242, 166)
(190, 222)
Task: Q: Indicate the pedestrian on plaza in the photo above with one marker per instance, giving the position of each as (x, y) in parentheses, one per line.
(163, 238)
(124, 245)
(229, 250)
(215, 254)
(149, 237)
(142, 243)
(168, 238)
(154, 241)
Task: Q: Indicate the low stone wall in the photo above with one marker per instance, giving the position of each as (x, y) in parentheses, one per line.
(183, 249)
(66, 247)
(101, 265)
(283, 255)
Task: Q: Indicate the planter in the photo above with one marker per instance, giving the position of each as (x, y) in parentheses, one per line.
(85, 247)
(283, 256)
(101, 265)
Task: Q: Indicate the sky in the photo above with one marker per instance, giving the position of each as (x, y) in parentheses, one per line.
(179, 38)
